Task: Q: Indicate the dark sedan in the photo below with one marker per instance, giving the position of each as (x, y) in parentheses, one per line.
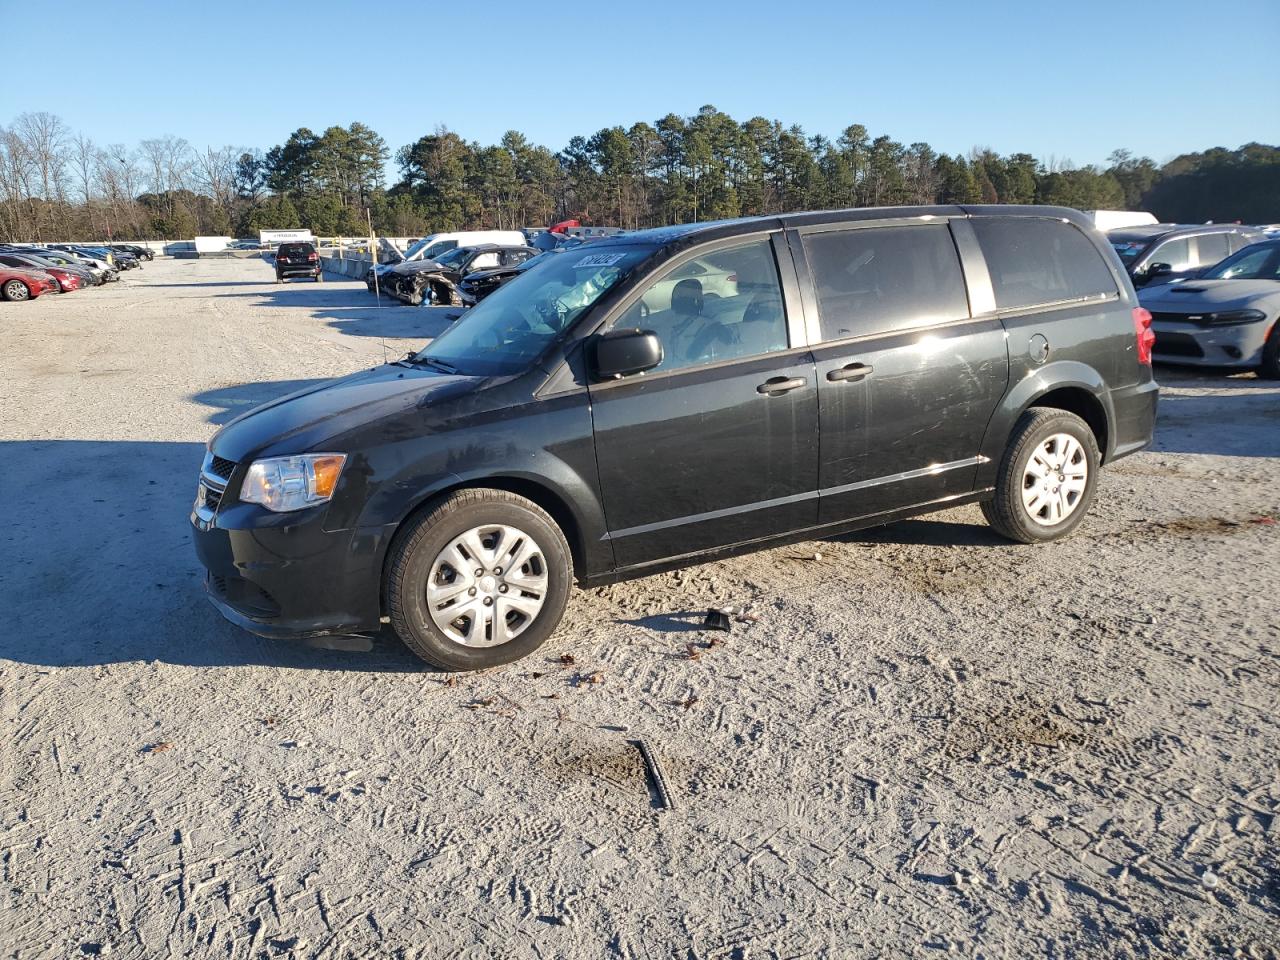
(434, 282)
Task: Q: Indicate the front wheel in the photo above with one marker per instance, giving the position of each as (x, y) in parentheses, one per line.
(1269, 369)
(1046, 478)
(17, 291)
(477, 580)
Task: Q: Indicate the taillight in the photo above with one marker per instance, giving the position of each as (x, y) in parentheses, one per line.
(1146, 339)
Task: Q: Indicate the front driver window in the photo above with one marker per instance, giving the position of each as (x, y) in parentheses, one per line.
(717, 306)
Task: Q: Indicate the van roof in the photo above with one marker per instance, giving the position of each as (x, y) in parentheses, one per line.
(685, 233)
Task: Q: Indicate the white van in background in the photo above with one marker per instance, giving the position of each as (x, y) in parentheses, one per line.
(1105, 220)
(432, 246)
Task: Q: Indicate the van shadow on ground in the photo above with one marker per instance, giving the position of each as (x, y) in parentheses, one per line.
(350, 308)
(114, 577)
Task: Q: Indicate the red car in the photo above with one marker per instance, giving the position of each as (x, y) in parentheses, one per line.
(18, 284)
(67, 282)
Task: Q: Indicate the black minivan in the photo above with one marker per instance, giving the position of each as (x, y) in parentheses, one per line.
(672, 395)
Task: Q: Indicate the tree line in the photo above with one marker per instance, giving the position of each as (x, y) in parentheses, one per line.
(58, 184)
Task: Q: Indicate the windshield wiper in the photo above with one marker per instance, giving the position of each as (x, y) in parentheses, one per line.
(438, 364)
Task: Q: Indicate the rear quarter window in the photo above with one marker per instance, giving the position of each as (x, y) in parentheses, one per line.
(1035, 261)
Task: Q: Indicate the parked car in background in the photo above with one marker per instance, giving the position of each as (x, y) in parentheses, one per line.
(298, 260)
(1167, 252)
(68, 280)
(120, 259)
(18, 284)
(432, 246)
(99, 262)
(867, 365)
(475, 286)
(435, 282)
(244, 245)
(99, 275)
(1229, 316)
(142, 253)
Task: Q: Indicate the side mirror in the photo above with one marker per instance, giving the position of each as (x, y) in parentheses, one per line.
(620, 353)
(1159, 269)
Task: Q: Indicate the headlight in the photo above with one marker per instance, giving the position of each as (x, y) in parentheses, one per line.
(282, 484)
(1230, 317)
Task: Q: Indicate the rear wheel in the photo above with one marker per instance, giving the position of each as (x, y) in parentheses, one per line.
(1270, 366)
(1046, 479)
(17, 291)
(479, 579)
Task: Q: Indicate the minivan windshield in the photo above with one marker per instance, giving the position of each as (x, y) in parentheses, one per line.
(1129, 249)
(418, 247)
(1260, 261)
(515, 324)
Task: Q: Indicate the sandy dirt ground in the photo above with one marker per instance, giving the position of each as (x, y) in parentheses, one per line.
(930, 743)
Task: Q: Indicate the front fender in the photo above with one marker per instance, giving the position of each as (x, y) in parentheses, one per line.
(543, 449)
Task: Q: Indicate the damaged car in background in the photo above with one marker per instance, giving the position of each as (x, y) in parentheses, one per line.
(477, 285)
(435, 282)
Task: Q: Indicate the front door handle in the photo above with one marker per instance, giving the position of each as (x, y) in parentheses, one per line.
(854, 371)
(776, 386)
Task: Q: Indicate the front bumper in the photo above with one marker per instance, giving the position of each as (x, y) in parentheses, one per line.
(1227, 345)
(283, 575)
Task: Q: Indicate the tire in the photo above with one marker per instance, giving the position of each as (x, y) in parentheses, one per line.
(1269, 369)
(17, 291)
(486, 522)
(1062, 499)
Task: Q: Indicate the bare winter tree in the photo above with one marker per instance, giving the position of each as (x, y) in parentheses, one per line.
(84, 157)
(169, 162)
(215, 173)
(44, 140)
(120, 181)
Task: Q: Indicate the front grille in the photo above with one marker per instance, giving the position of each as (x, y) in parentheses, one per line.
(1169, 317)
(212, 497)
(222, 467)
(1177, 345)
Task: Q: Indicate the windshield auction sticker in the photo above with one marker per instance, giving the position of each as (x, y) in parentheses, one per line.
(600, 260)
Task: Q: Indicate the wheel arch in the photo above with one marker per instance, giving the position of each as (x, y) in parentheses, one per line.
(1065, 385)
(1083, 404)
(554, 502)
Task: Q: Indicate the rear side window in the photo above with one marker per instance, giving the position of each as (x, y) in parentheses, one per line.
(1035, 261)
(1211, 247)
(1176, 253)
(883, 279)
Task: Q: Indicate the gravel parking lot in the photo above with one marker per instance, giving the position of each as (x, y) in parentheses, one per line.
(930, 741)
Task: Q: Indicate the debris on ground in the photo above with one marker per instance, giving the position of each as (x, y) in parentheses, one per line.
(657, 780)
(718, 618)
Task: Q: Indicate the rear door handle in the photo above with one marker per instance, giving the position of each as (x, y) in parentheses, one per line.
(776, 386)
(854, 371)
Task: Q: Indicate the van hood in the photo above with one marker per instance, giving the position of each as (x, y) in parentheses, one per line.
(295, 423)
(1192, 295)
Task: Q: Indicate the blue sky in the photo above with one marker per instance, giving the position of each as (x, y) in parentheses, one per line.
(1072, 81)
